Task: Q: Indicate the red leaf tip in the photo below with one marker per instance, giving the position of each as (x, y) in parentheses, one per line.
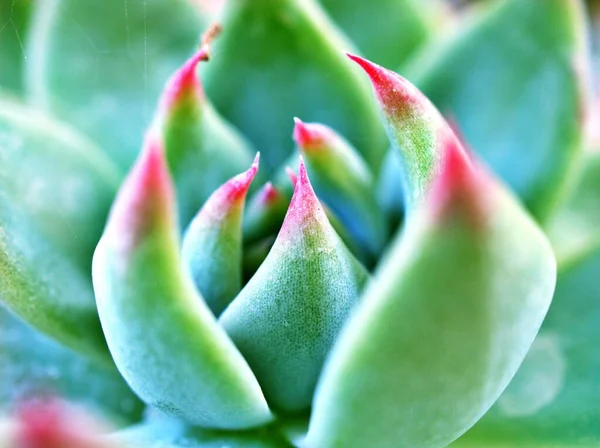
(184, 82)
(393, 90)
(310, 135)
(460, 185)
(237, 187)
(293, 177)
(145, 197)
(268, 194)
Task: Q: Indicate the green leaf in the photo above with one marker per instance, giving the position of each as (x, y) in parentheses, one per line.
(446, 322)
(402, 26)
(576, 223)
(212, 245)
(512, 81)
(284, 321)
(202, 150)
(14, 17)
(264, 214)
(344, 182)
(162, 335)
(553, 399)
(55, 191)
(120, 54)
(32, 364)
(289, 52)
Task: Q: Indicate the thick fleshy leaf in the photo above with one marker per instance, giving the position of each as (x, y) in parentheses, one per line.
(576, 223)
(343, 181)
(55, 192)
(553, 399)
(120, 53)
(446, 322)
(163, 337)
(286, 318)
(14, 15)
(416, 129)
(289, 52)
(212, 246)
(203, 150)
(513, 82)
(32, 365)
(402, 26)
(389, 188)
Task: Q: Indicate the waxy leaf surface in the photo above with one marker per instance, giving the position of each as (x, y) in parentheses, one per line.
(284, 321)
(163, 337)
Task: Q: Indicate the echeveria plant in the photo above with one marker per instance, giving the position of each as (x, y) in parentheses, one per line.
(412, 262)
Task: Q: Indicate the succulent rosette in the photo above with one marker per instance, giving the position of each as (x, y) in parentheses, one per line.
(281, 223)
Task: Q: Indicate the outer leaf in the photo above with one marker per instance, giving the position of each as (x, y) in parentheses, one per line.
(512, 82)
(576, 224)
(286, 318)
(14, 15)
(119, 52)
(445, 325)
(32, 364)
(55, 191)
(553, 399)
(289, 52)
(212, 246)
(343, 180)
(402, 26)
(203, 150)
(153, 318)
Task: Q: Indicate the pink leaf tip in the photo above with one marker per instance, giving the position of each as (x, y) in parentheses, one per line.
(393, 91)
(460, 186)
(184, 82)
(309, 135)
(237, 187)
(268, 194)
(146, 196)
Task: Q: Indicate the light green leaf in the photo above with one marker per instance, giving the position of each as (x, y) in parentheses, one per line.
(55, 191)
(14, 16)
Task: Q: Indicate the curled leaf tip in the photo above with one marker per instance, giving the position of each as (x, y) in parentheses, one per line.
(184, 82)
(459, 186)
(209, 36)
(392, 89)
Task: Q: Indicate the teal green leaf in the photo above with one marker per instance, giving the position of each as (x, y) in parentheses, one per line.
(512, 80)
(446, 322)
(402, 26)
(55, 191)
(202, 150)
(284, 321)
(32, 364)
(264, 213)
(119, 52)
(290, 53)
(162, 335)
(553, 399)
(389, 188)
(212, 245)
(344, 182)
(14, 17)
(576, 224)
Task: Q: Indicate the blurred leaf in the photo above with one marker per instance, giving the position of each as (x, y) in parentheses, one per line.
(100, 64)
(402, 26)
(292, 57)
(55, 191)
(512, 80)
(14, 16)
(32, 364)
(553, 399)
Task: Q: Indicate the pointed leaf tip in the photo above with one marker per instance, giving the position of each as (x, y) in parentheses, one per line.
(268, 194)
(293, 177)
(459, 186)
(307, 135)
(184, 81)
(237, 187)
(146, 197)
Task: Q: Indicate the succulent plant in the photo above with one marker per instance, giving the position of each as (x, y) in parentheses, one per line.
(411, 262)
